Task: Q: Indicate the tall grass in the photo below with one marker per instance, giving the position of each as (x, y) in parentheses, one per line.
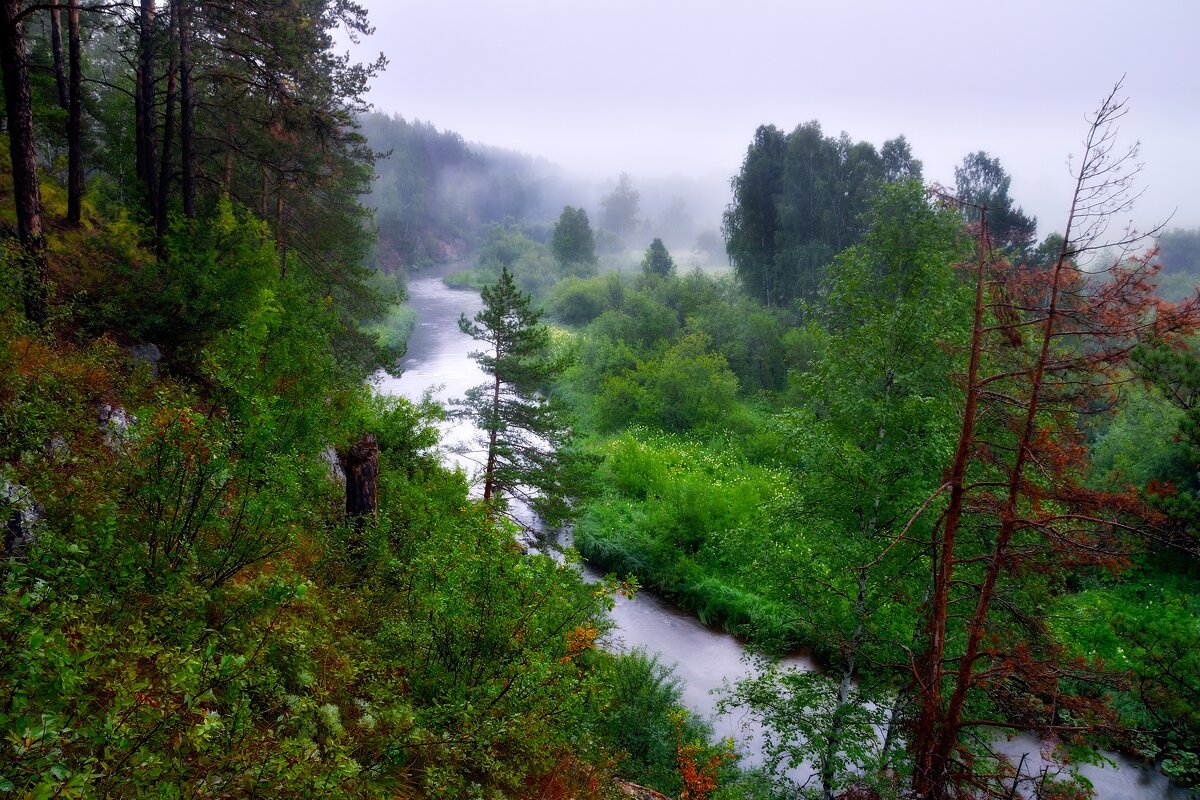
(670, 512)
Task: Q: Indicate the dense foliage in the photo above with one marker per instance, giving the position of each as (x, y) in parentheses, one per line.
(798, 200)
(771, 469)
(191, 605)
(186, 607)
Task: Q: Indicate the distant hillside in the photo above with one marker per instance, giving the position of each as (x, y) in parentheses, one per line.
(435, 192)
(1179, 254)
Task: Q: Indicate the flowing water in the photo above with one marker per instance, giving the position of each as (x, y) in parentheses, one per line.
(438, 361)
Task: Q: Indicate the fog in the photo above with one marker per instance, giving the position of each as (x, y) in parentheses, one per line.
(672, 91)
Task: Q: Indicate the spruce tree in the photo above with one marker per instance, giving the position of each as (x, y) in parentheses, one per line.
(657, 260)
(522, 431)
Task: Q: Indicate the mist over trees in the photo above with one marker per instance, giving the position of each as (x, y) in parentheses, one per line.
(573, 242)
(435, 193)
(620, 210)
(1179, 257)
(1179, 250)
(798, 200)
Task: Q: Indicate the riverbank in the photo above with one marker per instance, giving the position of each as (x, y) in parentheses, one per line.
(703, 657)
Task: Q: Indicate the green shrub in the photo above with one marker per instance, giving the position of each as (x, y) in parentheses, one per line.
(639, 322)
(679, 516)
(688, 388)
(578, 301)
(391, 333)
(635, 720)
(218, 273)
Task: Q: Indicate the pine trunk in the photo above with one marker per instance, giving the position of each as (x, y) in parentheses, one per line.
(262, 203)
(227, 175)
(161, 211)
(147, 123)
(187, 104)
(75, 119)
(280, 239)
(18, 104)
(489, 474)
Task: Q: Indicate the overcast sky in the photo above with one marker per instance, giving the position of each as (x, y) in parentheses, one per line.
(659, 88)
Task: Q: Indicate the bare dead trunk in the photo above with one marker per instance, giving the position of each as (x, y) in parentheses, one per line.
(60, 73)
(930, 773)
(75, 119)
(361, 465)
(965, 677)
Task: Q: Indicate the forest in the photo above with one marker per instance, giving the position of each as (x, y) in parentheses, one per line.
(880, 423)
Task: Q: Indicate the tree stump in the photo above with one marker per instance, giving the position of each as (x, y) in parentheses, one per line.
(361, 465)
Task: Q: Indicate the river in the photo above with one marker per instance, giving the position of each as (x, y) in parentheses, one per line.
(438, 361)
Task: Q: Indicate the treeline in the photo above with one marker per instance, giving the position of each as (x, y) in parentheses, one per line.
(801, 198)
(1179, 254)
(434, 193)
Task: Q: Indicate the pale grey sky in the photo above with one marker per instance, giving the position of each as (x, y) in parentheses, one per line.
(677, 87)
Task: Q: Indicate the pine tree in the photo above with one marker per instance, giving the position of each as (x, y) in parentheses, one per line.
(657, 260)
(523, 432)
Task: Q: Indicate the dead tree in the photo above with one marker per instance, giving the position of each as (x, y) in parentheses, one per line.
(1045, 343)
(56, 49)
(360, 462)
